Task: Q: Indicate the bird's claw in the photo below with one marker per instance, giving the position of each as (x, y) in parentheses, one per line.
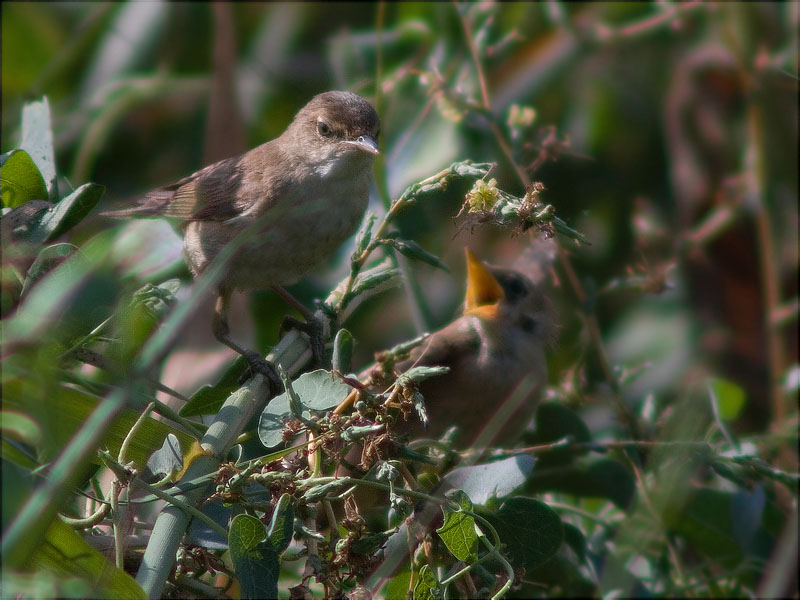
(258, 364)
(316, 335)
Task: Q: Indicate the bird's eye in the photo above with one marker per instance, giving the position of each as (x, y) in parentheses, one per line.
(324, 129)
(528, 324)
(514, 288)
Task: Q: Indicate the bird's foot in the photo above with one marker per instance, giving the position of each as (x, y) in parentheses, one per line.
(258, 364)
(315, 330)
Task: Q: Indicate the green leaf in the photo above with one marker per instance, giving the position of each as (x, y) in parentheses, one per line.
(398, 586)
(282, 524)
(565, 230)
(47, 259)
(705, 521)
(65, 552)
(491, 480)
(70, 300)
(531, 531)
(14, 455)
(20, 180)
(414, 251)
(747, 508)
(576, 540)
(317, 390)
(555, 421)
(210, 398)
(729, 397)
(60, 410)
(20, 427)
(37, 140)
(254, 559)
(461, 498)
(342, 351)
(603, 478)
(372, 278)
(427, 587)
(368, 545)
(458, 530)
(364, 234)
(68, 212)
(320, 389)
(418, 374)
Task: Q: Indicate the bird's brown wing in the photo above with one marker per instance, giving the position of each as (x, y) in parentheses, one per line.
(204, 195)
(207, 195)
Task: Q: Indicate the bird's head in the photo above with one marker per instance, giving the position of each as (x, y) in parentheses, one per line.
(509, 300)
(335, 132)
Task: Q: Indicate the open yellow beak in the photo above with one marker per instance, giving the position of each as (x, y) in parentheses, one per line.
(483, 291)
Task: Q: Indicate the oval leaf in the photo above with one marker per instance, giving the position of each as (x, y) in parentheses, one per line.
(254, 559)
(342, 351)
(414, 251)
(70, 211)
(458, 530)
(20, 180)
(282, 524)
(492, 480)
(317, 390)
(37, 140)
(729, 397)
(531, 531)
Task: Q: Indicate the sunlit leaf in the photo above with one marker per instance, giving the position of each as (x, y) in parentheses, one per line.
(427, 587)
(729, 397)
(254, 559)
(458, 530)
(20, 179)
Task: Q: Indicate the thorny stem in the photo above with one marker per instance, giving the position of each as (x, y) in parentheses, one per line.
(181, 505)
(473, 48)
(139, 483)
(331, 516)
(116, 520)
(376, 485)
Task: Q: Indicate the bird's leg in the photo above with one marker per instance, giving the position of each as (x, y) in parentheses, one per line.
(311, 326)
(256, 362)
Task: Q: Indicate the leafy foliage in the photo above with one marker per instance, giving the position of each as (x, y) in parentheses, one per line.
(654, 146)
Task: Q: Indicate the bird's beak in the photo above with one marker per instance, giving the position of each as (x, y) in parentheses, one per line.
(366, 143)
(483, 291)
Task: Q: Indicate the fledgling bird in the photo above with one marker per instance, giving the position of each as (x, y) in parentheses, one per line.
(283, 206)
(496, 354)
(494, 349)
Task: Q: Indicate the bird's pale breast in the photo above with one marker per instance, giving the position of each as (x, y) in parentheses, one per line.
(292, 236)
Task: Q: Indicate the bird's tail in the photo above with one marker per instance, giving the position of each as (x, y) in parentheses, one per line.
(155, 204)
(136, 211)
